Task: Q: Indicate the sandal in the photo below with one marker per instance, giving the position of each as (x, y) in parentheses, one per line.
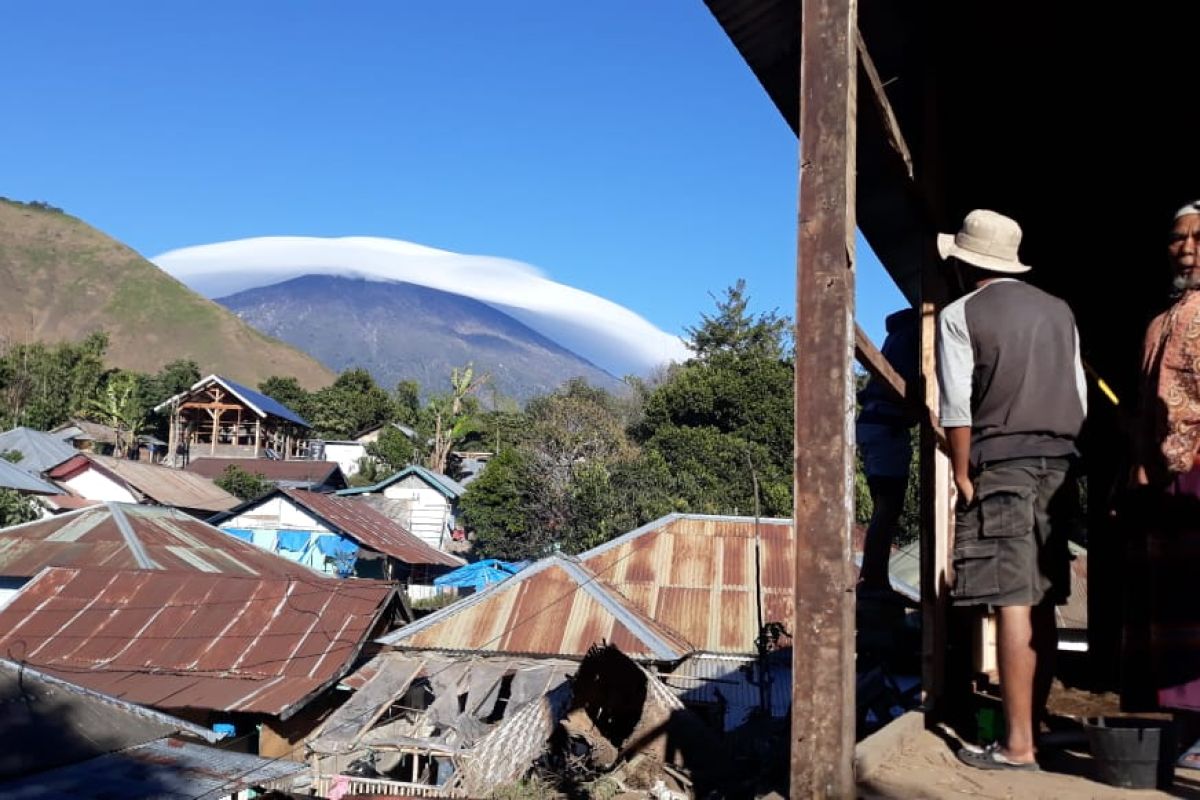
(991, 757)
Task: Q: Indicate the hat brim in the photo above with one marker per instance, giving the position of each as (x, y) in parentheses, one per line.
(948, 249)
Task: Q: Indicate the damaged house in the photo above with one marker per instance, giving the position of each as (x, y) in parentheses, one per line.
(698, 603)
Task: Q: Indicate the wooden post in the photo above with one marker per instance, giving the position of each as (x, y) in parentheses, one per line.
(823, 701)
(215, 413)
(936, 513)
(257, 435)
(173, 437)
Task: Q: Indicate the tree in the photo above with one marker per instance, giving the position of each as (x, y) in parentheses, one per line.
(499, 508)
(242, 484)
(734, 331)
(289, 392)
(119, 406)
(407, 402)
(16, 508)
(42, 386)
(351, 404)
(394, 450)
(176, 377)
(454, 415)
(724, 418)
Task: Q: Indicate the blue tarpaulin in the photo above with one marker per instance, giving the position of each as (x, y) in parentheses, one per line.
(343, 552)
(292, 541)
(479, 574)
(336, 547)
(245, 534)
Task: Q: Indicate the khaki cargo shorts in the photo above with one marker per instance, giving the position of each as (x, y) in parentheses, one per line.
(1010, 544)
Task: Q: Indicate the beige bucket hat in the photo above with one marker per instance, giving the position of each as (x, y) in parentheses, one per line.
(987, 240)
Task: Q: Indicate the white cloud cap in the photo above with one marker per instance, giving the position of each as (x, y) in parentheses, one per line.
(609, 335)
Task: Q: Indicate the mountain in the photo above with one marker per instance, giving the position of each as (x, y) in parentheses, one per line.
(63, 279)
(400, 331)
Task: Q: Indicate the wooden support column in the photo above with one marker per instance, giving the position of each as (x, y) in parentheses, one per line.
(937, 515)
(257, 435)
(173, 437)
(215, 413)
(823, 701)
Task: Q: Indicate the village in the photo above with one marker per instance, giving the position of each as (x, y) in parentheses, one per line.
(315, 586)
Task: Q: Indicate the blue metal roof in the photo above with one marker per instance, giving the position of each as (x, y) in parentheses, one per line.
(13, 477)
(267, 405)
(40, 451)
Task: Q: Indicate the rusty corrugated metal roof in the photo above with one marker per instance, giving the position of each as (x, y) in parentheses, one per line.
(359, 521)
(556, 607)
(314, 472)
(697, 574)
(176, 640)
(168, 487)
(127, 536)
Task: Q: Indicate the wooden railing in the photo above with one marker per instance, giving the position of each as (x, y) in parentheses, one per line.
(379, 786)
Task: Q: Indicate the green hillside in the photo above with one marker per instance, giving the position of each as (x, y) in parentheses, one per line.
(61, 279)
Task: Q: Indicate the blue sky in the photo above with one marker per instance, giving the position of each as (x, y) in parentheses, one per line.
(620, 147)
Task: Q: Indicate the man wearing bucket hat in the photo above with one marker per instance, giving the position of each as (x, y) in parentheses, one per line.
(1013, 400)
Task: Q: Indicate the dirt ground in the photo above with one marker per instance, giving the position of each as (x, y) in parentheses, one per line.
(922, 764)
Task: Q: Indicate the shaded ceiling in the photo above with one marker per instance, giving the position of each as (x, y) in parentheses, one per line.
(1076, 120)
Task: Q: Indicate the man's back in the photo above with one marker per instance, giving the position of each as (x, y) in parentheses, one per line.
(1020, 347)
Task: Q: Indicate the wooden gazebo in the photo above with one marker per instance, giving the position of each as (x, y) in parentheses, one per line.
(218, 417)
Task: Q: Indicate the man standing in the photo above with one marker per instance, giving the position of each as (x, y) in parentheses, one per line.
(883, 433)
(1013, 399)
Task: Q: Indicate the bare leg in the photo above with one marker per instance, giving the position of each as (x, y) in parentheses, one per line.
(1045, 642)
(1018, 665)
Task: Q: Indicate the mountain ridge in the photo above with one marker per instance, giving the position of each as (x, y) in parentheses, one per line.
(400, 330)
(64, 279)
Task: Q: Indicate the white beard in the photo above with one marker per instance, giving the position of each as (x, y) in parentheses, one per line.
(1186, 282)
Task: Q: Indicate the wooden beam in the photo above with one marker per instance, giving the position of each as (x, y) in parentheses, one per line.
(211, 406)
(887, 117)
(872, 361)
(823, 666)
(937, 514)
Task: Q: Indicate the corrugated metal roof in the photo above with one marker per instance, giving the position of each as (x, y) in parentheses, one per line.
(13, 477)
(48, 722)
(436, 480)
(68, 502)
(85, 429)
(362, 523)
(167, 769)
(556, 607)
(316, 473)
(39, 451)
(177, 640)
(112, 534)
(698, 575)
(168, 487)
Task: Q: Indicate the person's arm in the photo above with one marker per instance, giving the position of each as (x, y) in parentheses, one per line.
(959, 441)
(956, 365)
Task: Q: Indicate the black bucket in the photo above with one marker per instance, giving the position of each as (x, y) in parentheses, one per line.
(1132, 752)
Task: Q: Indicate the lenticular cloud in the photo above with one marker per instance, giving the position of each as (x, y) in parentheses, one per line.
(609, 335)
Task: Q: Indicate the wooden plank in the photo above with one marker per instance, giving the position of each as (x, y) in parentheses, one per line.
(823, 702)
(872, 360)
(887, 117)
(342, 731)
(937, 515)
(211, 406)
